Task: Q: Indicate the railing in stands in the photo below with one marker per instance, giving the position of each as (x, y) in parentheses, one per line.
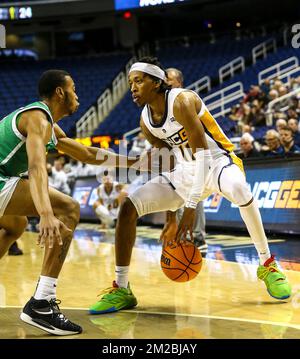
(201, 85)
(128, 135)
(107, 100)
(104, 105)
(263, 48)
(229, 69)
(287, 76)
(278, 69)
(119, 88)
(87, 123)
(270, 110)
(220, 102)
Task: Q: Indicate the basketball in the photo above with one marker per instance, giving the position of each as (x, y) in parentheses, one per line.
(181, 262)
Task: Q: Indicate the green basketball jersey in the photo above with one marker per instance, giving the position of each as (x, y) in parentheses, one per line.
(13, 155)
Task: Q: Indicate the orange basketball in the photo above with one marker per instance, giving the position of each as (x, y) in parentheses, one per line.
(181, 262)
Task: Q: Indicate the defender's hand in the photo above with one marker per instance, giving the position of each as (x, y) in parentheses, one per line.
(51, 229)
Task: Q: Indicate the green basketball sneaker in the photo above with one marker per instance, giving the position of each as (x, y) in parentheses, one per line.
(114, 299)
(276, 282)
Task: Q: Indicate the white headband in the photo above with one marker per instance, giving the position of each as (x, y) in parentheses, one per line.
(148, 69)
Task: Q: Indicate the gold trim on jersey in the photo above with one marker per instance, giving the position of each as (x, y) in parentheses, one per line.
(213, 130)
(237, 161)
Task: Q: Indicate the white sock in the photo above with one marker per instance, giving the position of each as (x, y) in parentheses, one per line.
(252, 219)
(46, 288)
(104, 215)
(122, 276)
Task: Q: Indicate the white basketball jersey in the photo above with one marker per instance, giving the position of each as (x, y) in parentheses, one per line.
(173, 133)
(108, 199)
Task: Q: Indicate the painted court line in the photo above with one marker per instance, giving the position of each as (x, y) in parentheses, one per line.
(258, 321)
(204, 316)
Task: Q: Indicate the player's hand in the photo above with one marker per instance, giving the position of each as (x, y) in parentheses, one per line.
(168, 233)
(51, 229)
(186, 225)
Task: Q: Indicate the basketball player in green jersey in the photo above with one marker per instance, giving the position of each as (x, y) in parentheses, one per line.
(24, 135)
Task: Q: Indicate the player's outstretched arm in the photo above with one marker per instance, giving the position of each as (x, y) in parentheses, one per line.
(36, 128)
(90, 155)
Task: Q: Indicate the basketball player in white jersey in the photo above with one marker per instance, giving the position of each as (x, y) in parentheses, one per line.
(178, 119)
(109, 199)
(175, 80)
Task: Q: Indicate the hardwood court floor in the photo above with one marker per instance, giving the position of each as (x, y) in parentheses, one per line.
(224, 301)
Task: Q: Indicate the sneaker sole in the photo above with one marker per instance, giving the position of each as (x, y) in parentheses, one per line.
(110, 310)
(280, 298)
(28, 320)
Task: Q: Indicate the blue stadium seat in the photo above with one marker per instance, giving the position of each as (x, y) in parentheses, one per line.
(18, 85)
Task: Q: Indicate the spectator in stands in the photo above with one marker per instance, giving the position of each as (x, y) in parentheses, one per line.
(273, 94)
(175, 78)
(246, 109)
(277, 84)
(247, 148)
(295, 83)
(71, 171)
(294, 104)
(85, 170)
(273, 142)
(57, 177)
(74, 164)
(253, 94)
(287, 141)
(294, 108)
(257, 116)
(293, 124)
(63, 160)
(248, 129)
(140, 144)
(253, 114)
(265, 86)
(281, 123)
(291, 113)
(279, 115)
(235, 114)
(281, 92)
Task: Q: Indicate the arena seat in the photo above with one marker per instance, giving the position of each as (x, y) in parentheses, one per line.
(18, 85)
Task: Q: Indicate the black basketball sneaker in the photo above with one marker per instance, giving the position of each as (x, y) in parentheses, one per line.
(47, 316)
